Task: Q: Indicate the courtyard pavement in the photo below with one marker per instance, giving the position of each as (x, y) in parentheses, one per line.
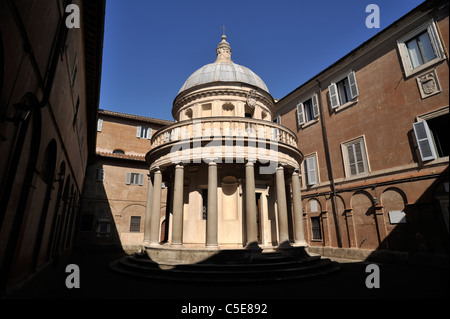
(97, 281)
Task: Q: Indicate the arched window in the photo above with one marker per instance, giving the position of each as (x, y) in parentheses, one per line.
(117, 151)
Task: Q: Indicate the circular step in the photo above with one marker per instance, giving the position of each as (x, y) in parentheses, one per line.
(268, 267)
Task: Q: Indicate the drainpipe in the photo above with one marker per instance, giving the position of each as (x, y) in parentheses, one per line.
(329, 168)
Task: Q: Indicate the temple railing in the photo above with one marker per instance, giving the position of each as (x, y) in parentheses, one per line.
(224, 127)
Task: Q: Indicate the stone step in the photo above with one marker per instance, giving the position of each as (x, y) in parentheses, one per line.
(249, 272)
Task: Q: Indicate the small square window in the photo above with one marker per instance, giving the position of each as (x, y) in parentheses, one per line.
(144, 132)
(135, 224)
(343, 91)
(135, 179)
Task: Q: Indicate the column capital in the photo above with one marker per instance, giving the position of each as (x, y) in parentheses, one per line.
(155, 170)
(250, 163)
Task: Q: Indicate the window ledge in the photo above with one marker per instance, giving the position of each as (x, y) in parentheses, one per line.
(409, 72)
(312, 122)
(346, 105)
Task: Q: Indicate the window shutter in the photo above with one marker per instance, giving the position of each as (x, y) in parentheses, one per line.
(128, 180)
(99, 174)
(149, 133)
(351, 160)
(315, 104)
(141, 179)
(359, 161)
(311, 171)
(424, 141)
(433, 40)
(353, 86)
(279, 119)
(138, 132)
(99, 125)
(300, 113)
(332, 89)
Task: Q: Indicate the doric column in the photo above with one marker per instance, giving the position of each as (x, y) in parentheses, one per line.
(250, 204)
(298, 209)
(156, 208)
(148, 209)
(211, 217)
(177, 226)
(282, 206)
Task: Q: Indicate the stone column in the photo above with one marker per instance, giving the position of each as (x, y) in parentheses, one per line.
(156, 208)
(148, 209)
(177, 226)
(282, 206)
(211, 217)
(250, 205)
(298, 209)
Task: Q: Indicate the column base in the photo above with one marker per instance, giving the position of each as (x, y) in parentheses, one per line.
(300, 243)
(253, 246)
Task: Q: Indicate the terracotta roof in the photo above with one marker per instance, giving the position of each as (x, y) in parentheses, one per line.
(135, 117)
(122, 156)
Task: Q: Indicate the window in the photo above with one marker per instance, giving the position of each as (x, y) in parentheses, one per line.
(310, 166)
(135, 179)
(99, 125)
(420, 48)
(99, 174)
(144, 132)
(343, 91)
(277, 119)
(117, 151)
(432, 137)
(355, 157)
(308, 110)
(135, 224)
(316, 229)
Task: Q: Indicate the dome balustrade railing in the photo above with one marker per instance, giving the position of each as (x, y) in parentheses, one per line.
(224, 128)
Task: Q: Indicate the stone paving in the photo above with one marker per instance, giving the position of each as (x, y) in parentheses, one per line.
(97, 281)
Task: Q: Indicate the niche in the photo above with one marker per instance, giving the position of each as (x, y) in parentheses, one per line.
(228, 109)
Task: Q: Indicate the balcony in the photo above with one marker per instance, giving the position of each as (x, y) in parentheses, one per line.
(209, 128)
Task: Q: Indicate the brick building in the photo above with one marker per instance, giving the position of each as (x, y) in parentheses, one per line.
(49, 93)
(115, 194)
(373, 130)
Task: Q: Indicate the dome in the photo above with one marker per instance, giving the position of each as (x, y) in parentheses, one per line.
(223, 70)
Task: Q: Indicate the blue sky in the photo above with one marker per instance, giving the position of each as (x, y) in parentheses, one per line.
(152, 47)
